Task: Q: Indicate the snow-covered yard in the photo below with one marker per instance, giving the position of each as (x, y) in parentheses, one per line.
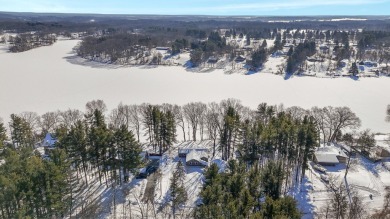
(364, 177)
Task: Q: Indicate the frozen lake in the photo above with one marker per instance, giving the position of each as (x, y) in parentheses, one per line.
(44, 79)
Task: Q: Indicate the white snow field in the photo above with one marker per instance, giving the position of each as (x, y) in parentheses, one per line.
(44, 79)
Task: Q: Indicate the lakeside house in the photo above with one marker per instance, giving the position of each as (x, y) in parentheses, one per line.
(47, 144)
(240, 58)
(48, 141)
(212, 59)
(330, 155)
(197, 158)
(382, 152)
(349, 151)
(278, 53)
(163, 48)
(182, 152)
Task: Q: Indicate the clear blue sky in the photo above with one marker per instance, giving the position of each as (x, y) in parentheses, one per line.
(203, 7)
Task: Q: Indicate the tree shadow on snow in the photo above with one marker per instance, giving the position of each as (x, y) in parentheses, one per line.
(336, 168)
(76, 60)
(370, 166)
(148, 66)
(107, 197)
(301, 195)
(288, 76)
(251, 72)
(200, 70)
(192, 169)
(355, 78)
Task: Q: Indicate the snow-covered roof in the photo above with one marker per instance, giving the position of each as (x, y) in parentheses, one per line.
(329, 154)
(383, 141)
(188, 150)
(326, 158)
(49, 140)
(196, 155)
(324, 46)
(331, 149)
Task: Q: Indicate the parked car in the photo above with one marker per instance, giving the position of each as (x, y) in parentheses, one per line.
(145, 172)
(319, 168)
(142, 174)
(150, 170)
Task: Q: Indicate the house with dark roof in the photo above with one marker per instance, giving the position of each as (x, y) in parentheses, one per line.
(240, 58)
(212, 59)
(196, 158)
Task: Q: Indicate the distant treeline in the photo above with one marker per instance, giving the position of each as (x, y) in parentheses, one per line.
(22, 22)
(24, 42)
(114, 47)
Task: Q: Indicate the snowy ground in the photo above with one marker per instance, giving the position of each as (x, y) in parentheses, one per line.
(44, 79)
(364, 177)
(194, 175)
(129, 196)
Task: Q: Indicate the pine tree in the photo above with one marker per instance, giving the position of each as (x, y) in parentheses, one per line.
(3, 135)
(264, 44)
(32, 187)
(178, 192)
(21, 132)
(311, 142)
(77, 143)
(60, 179)
(280, 208)
(229, 131)
(99, 138)
(128, 151)
(272, 179)
(248, 40)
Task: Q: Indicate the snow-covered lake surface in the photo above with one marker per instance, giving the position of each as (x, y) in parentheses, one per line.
(45, 79)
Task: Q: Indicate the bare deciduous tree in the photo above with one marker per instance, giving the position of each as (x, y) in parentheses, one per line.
(342, 118)
(194, 112)
(231, 102)
(118, 117)
(135, 119)
(32, 118)
(356, 208)
(297, 112)
(332, 120)
(49, 121)
(70, 117)
(93, 105)
(338, 199)
(180, 119)
(147, 119)
(214, 121)
(385, 212)
(319, 117)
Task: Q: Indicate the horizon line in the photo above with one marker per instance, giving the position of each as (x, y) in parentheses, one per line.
(210, 15)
